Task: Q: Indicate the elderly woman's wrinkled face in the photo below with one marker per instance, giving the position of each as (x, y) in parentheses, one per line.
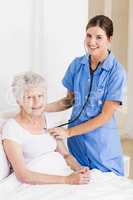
(34, 101)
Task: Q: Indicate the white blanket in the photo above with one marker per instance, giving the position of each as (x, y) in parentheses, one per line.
(103, 186)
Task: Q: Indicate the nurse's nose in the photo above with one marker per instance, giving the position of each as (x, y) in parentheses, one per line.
(92, 41)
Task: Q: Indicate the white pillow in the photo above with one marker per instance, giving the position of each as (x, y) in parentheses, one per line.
(4, 164)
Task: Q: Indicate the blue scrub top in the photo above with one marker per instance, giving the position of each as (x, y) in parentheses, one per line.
(100, 148)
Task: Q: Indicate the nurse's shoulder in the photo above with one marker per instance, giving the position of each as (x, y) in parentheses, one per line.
(117, 68)
(78, 62)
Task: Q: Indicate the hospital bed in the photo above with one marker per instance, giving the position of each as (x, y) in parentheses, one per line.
(103, 186)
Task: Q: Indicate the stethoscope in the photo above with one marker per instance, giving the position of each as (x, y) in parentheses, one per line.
(87, 99)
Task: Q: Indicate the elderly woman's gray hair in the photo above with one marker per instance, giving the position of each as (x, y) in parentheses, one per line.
(23, 81)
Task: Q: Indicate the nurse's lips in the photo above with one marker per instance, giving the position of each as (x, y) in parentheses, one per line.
(36, 108)
(92, 48)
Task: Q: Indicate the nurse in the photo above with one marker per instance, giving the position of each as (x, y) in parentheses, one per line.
(95, 84)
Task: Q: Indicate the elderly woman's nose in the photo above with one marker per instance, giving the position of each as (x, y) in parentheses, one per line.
(35, 100)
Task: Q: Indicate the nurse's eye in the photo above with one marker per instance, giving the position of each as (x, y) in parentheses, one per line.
(88, 35)
(98, 37)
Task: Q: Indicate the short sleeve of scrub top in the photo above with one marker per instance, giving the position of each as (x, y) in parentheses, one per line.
(117, 85)
(68, 80)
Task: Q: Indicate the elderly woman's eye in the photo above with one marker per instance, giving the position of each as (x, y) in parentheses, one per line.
(29, 97)
(40, 95)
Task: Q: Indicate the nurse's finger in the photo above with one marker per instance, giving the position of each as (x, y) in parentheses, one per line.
(52, 132)
(59, 137)
(51, 129)
(56, 135)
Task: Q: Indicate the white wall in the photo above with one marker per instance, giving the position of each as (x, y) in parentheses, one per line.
(15, 44)
(64, 31)
(42, 35)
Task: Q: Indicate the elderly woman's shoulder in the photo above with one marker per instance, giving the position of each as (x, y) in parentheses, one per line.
(11, 122)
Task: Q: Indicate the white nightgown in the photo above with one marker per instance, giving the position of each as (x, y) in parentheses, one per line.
(38, 149)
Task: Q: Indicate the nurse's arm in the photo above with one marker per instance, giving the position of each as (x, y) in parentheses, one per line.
(108, 110)
(62, 104)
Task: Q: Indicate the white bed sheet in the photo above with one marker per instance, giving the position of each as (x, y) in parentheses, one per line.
(103, 186)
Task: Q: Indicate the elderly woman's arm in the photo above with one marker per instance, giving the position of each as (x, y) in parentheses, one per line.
(71, 161)
(15, 156)
(61, 104)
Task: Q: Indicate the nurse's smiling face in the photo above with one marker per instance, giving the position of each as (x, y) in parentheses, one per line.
(96, 41)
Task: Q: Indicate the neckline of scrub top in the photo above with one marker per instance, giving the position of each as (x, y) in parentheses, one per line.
(106, 64)
(100, 62)
(93, 70)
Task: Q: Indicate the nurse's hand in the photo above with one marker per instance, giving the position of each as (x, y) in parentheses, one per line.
(59, 133)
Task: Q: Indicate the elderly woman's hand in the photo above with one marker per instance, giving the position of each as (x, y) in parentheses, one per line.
(59, 133)
(84, 169)
(78, 177)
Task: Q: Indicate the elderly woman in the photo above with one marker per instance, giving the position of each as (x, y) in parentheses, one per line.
(35, 156)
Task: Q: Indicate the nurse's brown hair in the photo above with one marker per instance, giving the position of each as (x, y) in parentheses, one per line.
(103, 22)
